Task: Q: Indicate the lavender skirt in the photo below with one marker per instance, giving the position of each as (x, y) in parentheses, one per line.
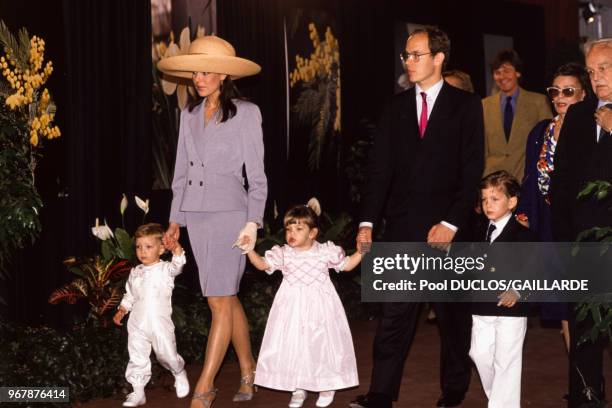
(211, 235)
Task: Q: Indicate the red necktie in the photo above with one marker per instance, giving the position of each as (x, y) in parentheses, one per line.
(423, 122)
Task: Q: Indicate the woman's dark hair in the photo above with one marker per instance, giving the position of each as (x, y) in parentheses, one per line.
(228, 91)
(301, 213)
(577, 71)
(438, 42)
(503, 180)
(508, 56)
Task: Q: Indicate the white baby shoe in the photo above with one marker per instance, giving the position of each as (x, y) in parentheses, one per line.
(325, 398)
(135, 399)
(297, 398)
(181, 384)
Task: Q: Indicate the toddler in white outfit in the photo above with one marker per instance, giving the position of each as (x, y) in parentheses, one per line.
(148, 296)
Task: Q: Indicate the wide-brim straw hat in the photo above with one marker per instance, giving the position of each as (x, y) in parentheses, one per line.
(208, 54)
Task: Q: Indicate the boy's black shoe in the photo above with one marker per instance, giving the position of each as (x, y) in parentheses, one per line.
(372, 400)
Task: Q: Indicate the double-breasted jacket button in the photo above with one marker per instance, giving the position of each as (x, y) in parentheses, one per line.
(201, 183)
(191, 163)
(189, 182)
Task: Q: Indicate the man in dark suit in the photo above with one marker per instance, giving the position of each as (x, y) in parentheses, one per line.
(584, 153)
(425, 165)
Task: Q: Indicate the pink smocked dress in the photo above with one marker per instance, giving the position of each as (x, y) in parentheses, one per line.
(307, 343)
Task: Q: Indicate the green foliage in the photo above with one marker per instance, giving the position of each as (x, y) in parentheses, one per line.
(316, 109)
(356, 160)
(17, 48)
(101, 278)
(20, 203)
(100, 282)
(121, 246)
(88, 360)
(598, 309)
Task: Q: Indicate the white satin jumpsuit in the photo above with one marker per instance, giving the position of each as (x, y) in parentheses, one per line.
(148, 297)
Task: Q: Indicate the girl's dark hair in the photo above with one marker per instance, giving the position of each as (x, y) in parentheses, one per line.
(301, 213)
(577, 71)
(503, 180)
(228, 91)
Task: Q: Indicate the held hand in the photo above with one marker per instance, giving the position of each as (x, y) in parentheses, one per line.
(250, 233)
(119, 316)
(171, 237)
(440, 236)
(508, 298)
(364, 240)
(603, 117)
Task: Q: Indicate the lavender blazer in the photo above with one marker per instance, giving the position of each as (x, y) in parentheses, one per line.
(209, 158)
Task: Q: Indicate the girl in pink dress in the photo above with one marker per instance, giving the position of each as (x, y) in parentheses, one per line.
(307, 344)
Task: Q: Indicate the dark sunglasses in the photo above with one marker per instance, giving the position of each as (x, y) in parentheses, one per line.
(553, 91)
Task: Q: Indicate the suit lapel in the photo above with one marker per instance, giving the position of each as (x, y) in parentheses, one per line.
(521, 112)
(497, 121)
(509, 231)
(591, 125)
(408, 124)
(438, 115)
(196, 125)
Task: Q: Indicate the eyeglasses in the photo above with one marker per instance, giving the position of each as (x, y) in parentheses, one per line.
(553, 91)
(414, 56)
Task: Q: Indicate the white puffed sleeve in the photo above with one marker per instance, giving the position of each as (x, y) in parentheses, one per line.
(335, 257)
(275, 258)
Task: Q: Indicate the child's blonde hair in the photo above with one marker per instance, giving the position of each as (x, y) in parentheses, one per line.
(149, 230)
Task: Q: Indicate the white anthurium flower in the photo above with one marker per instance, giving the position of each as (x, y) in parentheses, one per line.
(171, 84)
(102, 232)
(124, 204)
(142, 204)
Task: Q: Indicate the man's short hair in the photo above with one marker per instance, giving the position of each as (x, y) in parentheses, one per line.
(503, 180)
(508, 56)
(607, 42)
(438, 41)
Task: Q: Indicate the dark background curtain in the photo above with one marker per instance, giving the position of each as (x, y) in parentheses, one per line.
(102, 87)
(255, 29)
(366, 32)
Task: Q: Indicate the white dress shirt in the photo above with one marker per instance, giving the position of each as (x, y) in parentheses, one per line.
(499, 226)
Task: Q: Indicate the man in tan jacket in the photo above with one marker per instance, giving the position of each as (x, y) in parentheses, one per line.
(509, 116)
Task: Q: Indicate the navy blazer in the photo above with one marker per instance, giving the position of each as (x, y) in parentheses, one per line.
(512, 232)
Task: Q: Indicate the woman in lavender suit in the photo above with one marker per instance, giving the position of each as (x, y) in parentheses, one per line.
(220, 139)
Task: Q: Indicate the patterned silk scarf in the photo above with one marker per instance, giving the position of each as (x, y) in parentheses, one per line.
(545, 164)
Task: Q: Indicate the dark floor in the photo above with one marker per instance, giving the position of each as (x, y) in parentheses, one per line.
(544, 376)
